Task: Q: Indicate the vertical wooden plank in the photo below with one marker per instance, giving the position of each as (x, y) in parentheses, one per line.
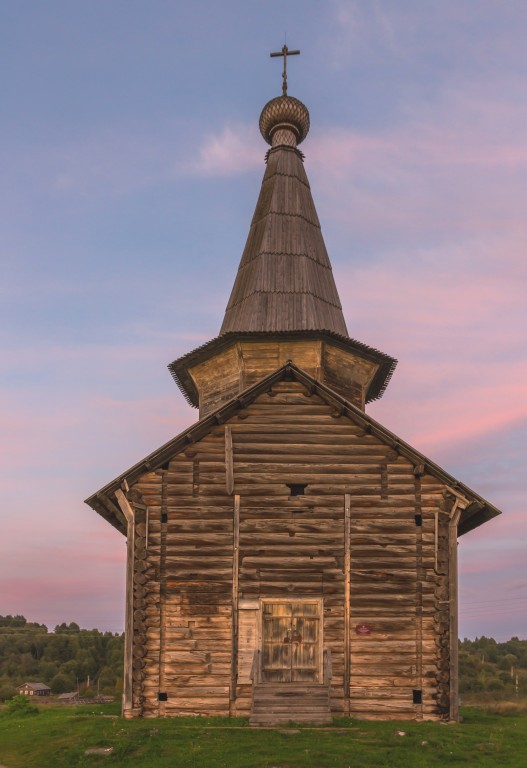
(247, 638)
(127, 707)
(162, 592)
(229, 464)
(241, 367)
(419, 577)
(436, 537)
(235, 579)
(453, 602)
(347, 592)
(384, 481)
(195, 477)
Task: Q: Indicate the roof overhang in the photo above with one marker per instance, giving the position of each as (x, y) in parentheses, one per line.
(180, 368)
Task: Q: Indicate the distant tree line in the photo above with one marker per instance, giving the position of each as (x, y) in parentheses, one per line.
(499, 669)
(67, 659)
(70, 659)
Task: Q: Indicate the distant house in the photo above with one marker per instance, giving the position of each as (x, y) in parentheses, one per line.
(69, 698)
(34, 689)
(72, 696)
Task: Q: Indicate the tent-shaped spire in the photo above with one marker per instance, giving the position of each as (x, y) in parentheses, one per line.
(284, 281)
(284, 304)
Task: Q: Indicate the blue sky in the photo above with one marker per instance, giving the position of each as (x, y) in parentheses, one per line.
(131, 165)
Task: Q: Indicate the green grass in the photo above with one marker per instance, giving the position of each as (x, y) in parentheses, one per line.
(58, 738)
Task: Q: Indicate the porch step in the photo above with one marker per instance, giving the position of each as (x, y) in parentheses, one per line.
(275, 703)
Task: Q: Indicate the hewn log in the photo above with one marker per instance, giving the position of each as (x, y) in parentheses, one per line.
(128, 512)
(452, 584)
(229, 461)
(347, 591)
(235, 594)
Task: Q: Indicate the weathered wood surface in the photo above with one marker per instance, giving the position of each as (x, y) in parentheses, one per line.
(243, 364)
(273, 704)
(284, 281)
(229, 461)
(453, 608)
(347, 592)
(128, 512)
(235, 594)
(190, 614)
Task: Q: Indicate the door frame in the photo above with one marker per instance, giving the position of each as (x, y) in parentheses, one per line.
(301, 599)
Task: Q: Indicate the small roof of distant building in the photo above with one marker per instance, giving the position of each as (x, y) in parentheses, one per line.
(36, 686)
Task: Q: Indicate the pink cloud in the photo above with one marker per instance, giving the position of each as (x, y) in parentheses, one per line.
(456, 166)
(236, 149)
(77, 569)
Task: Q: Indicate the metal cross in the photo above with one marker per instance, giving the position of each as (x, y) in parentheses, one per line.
(285, 52)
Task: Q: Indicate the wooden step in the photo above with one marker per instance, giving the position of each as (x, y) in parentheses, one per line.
(278, 703)
(278, 720)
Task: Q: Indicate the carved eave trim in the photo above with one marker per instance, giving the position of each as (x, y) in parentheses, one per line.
(180, 368)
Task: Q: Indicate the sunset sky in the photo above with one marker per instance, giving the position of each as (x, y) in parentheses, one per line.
(131, 163)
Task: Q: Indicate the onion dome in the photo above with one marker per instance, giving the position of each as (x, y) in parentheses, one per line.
(284, 120)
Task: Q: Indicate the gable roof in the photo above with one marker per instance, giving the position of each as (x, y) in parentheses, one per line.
(36, 686)
(478, 512)
(284, 280)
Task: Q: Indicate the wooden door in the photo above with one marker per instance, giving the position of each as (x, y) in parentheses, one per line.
(291, 642)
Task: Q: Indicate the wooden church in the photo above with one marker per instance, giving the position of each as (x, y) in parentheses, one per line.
(289, 558)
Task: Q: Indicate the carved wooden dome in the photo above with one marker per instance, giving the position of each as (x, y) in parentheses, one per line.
(284, 114)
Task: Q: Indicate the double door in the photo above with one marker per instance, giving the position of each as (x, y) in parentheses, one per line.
(291, 647)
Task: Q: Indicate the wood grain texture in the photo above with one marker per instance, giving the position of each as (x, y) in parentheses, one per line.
(220, 378)
(347, 592)
(284, 280)
(229, 462)
(350, 541)
(128, 513)
(235, 595)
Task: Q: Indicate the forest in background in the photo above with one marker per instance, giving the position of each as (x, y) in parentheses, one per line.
(67, 659)
(70, 659)
(498, 670)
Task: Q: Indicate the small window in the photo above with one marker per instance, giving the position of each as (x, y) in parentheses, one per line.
(297, 489)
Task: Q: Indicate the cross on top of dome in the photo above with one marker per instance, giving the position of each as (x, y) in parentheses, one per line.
(284, 120)
(285, 52)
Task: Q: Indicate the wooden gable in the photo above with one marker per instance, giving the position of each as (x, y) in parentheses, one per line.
(475, 513)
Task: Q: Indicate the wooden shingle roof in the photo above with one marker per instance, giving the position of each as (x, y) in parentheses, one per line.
(284, 280)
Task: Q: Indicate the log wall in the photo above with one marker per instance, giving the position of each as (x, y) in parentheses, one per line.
(243, 364)
(389, 641)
